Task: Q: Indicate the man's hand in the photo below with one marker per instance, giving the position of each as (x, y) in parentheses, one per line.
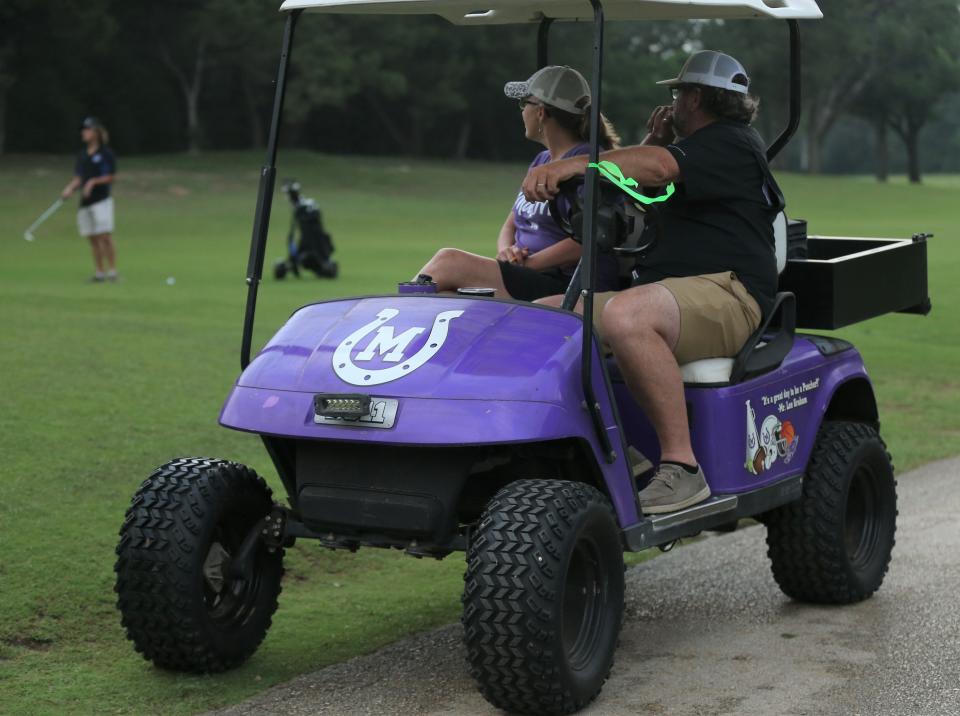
(541, 182)
(660, 126)
(88, 188)
(513, 254)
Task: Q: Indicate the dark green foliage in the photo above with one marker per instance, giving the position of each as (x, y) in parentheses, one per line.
(198, 74)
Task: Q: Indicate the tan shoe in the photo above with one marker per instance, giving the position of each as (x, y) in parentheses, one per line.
(672, 488)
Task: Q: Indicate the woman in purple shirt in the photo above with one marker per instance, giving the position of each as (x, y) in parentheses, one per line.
(535, 258)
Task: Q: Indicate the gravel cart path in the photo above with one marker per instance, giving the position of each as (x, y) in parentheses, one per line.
(707, 632)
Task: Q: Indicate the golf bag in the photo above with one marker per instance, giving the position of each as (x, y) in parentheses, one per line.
(313, 249)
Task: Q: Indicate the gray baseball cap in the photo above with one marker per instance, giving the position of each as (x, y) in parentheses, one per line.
(713, 69)
(557, 85)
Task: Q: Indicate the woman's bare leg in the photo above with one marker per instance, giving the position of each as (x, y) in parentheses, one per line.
(452, 269)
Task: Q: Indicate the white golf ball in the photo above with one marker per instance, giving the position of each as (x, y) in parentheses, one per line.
(171, 280)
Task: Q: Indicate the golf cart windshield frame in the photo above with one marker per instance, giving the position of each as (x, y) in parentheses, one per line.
(582, 283)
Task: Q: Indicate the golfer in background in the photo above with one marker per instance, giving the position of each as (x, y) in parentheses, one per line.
(93, 175)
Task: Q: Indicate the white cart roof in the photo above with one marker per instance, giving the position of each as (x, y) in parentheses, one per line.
(501, 12)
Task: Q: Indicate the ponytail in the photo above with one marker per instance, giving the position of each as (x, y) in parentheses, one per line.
(579, 126)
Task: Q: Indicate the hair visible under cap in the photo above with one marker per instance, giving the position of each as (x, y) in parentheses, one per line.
(727, 104)
(579, 126)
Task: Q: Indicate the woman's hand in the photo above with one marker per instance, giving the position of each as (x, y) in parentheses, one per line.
(541, 182)
(513, 254)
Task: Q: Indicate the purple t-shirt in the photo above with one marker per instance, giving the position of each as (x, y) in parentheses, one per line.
(536, 230)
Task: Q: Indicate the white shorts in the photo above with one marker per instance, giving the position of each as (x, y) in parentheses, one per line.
(96, 219)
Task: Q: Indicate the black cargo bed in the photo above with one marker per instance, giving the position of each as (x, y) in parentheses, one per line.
(843, 280)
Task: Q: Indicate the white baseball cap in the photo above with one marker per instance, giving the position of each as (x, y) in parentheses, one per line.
(713, 69)
(557, 85)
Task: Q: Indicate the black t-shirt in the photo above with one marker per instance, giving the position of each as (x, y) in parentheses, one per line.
(90, 166)
(721, 216)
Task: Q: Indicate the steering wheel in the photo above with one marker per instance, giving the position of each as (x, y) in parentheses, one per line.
(624, 227)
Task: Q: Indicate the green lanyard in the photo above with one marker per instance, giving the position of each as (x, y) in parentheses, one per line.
(612, 172)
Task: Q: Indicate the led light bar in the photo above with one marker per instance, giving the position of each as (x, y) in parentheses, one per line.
(341, 405)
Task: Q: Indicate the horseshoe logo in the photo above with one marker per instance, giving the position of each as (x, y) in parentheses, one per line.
(390, 347)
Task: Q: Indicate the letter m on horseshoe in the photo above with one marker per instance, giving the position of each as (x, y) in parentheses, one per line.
(384, 342)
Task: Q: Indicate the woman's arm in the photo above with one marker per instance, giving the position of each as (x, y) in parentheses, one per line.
(506, 243)
(565, 252)
(96, 181)
(70, 188)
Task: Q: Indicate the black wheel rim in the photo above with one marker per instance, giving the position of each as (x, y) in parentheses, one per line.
(232, 604)
(584, 594)
(863, 518)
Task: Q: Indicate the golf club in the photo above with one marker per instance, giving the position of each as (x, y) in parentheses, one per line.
(28, 234)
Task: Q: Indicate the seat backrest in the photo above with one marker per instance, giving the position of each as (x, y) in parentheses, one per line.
(780, 241)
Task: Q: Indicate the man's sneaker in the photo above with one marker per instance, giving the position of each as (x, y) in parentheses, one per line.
(672, 488)
(113, 277)
(96, 279)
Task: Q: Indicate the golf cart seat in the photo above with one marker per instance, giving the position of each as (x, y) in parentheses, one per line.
(766, 348)
(763, 351)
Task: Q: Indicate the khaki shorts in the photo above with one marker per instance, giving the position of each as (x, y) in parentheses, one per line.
(96, 219)
(717, 315)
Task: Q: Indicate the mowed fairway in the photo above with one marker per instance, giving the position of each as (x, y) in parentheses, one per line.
(101, 383)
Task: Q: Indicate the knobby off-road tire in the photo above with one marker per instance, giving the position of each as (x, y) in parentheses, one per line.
(178, 603)
(833, 545)
(543, 596)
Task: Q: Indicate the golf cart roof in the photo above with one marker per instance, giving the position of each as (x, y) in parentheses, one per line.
(502, 12)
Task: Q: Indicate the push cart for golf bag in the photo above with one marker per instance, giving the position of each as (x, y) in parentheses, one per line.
(315, 246)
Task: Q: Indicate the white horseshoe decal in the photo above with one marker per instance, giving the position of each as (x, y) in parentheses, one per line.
(344, 367)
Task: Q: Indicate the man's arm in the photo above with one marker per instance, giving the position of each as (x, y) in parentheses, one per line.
(649, 165)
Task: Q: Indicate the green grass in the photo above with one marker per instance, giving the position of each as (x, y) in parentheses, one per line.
(100, 383)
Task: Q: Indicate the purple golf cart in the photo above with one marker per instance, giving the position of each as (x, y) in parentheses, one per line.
(438, 424)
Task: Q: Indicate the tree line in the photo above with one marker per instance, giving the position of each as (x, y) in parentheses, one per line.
(881, 79)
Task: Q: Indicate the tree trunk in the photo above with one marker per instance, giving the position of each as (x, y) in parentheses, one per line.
(254, 118)
(190, 87)
(463, 141)
(908, 126)
(882, 157)
(813, 149)
(388, 122)
(3, 118)
(913, 153)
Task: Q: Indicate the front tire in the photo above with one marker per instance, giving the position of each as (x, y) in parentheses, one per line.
(179, 604)
(543, 596)
(833, 545)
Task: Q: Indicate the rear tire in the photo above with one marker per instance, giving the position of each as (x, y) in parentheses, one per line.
(543, 596)
(179, 605)
(833, 545)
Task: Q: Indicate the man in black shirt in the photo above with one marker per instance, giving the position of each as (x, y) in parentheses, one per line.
(703, 289)
(93, 174)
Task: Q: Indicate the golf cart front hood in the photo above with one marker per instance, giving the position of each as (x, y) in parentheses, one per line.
(455, 371)
(421, 347)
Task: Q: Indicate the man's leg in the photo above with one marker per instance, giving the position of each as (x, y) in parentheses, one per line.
(642, 326)
(452, 269)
